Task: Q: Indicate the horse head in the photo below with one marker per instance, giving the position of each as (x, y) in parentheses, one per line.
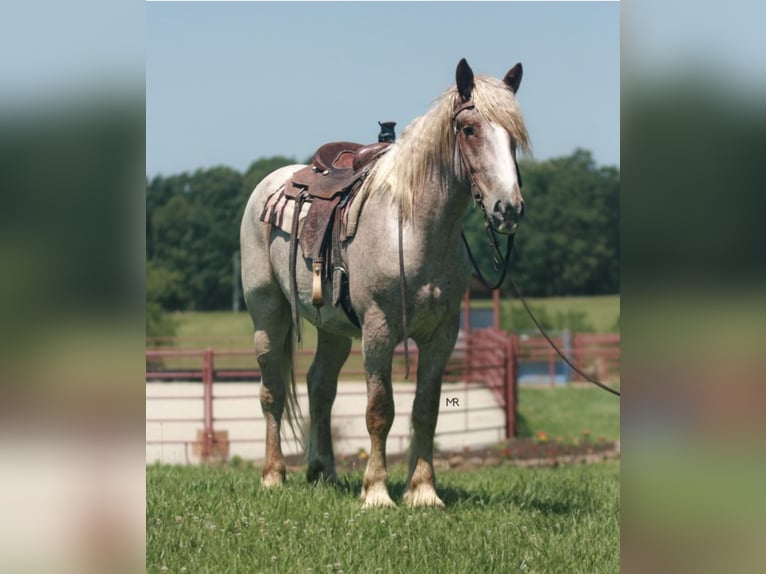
(488, 151)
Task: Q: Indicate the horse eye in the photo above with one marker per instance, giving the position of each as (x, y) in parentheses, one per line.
(468, 130)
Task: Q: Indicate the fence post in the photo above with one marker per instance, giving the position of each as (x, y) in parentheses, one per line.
(207, 386)
(552, 367)
(510, 386)
(467, 337)
(576, 355)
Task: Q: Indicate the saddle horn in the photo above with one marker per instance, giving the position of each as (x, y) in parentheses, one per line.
(387, 133)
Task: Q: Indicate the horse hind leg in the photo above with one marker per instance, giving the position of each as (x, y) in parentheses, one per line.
(273, 347)
(332, 352)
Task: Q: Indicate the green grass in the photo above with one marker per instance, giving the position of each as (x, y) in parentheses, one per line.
(213, 324)
(504, 519)
(194, 325)
(228, 330)
(568, 412)
(601, 311)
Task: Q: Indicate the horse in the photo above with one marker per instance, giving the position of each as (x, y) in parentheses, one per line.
(462, 150)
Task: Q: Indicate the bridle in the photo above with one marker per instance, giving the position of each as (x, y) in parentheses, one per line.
(497, 257)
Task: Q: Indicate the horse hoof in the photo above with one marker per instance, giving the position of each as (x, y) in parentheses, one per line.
(318, 472)
(423, 496)
(376, 497)
(378, 503)
(322, 478)
(272, 479)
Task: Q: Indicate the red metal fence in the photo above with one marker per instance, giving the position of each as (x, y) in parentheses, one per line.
(492, 361)
(489, 358)
(596, 354)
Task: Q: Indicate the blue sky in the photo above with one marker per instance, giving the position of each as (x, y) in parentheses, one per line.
(233, 82)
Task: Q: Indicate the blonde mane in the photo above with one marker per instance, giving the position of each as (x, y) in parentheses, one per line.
(427, 146)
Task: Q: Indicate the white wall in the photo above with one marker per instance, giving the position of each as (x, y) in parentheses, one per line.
(458, 426)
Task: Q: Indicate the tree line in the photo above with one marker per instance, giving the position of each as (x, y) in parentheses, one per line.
(569, 243)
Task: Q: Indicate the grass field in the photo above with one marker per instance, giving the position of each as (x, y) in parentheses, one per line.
(501, 519)
(568, 412)
(504, 519)
(601, 311)
(224, 330)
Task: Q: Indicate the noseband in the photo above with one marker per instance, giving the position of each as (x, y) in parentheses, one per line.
(498, 260)
(496, 255)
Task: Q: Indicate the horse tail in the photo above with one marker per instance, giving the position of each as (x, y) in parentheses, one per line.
(292, 407)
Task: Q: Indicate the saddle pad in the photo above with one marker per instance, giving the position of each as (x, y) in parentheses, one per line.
(279, 211)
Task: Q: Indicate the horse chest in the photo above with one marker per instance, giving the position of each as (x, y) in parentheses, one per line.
(431, 305)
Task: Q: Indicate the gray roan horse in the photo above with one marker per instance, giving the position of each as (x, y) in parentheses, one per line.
(462, 150)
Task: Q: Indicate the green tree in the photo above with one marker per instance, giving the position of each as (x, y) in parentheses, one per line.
(192, 233)
(162, 286)
(569, 243)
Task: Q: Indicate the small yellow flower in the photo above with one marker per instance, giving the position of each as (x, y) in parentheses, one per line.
(362, 453)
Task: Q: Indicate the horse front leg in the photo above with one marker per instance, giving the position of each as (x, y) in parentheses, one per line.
(432, 359)
(378, 346)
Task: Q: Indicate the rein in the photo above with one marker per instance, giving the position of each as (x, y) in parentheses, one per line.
(506, 264)
(497, 259)
(555, 348)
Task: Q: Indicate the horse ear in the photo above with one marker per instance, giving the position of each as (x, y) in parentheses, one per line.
(513, 77)
(464, 75)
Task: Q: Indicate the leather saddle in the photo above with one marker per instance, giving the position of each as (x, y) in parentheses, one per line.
(328, 184)
(335, 167)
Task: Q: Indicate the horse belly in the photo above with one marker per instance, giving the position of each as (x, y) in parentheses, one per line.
(327, 317)
(331, 319)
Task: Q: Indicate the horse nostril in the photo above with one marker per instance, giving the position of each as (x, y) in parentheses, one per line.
(507, 211)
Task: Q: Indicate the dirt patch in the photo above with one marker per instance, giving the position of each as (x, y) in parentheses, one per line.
(527, 452)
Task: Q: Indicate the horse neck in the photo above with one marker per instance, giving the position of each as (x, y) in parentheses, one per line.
(441, 205)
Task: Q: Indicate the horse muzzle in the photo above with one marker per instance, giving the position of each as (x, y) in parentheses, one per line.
(506, 216)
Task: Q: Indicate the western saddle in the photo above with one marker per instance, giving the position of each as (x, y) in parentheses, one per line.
(336, 172)
(335, 167)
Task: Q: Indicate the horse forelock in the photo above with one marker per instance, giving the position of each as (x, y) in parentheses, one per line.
(427, 146)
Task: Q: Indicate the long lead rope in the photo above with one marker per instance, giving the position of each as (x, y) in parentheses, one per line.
(506, 264)
(555, 348)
